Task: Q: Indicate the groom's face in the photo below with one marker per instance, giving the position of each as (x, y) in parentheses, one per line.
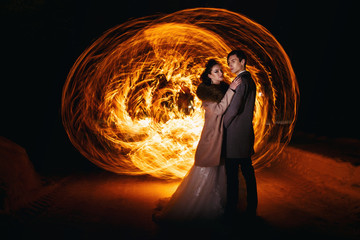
(235, 64)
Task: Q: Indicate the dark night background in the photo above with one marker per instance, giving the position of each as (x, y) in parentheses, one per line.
(42, 39)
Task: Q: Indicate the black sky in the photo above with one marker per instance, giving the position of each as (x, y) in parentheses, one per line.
(42, 39)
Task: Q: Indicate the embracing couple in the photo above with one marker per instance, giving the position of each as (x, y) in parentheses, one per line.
(210, 190)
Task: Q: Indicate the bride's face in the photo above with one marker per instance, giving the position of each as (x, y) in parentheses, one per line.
(216, 74)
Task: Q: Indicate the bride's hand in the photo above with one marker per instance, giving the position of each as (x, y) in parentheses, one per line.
(235, 83)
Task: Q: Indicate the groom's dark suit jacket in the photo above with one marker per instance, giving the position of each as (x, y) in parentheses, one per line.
(239, 131)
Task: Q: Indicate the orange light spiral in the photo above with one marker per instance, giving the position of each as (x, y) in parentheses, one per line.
(129, 102)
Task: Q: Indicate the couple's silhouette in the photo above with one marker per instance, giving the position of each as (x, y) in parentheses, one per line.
(210, 190)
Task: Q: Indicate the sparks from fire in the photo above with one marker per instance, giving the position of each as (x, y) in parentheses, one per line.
(129, 103)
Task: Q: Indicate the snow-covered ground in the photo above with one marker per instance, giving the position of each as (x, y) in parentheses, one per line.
(305, 193)
(309, 191)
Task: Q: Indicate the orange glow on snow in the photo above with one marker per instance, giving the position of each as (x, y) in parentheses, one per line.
(129, 102)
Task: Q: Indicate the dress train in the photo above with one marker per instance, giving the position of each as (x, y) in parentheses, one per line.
(200, 196)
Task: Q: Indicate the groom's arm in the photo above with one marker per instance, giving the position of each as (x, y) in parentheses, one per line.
(236, 105)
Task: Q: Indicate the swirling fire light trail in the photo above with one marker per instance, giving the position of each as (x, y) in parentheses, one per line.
(129, 102)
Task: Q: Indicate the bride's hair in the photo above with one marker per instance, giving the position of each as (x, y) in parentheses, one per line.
(204, 76)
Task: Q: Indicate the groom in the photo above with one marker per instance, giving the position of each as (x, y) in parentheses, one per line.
(239, 137)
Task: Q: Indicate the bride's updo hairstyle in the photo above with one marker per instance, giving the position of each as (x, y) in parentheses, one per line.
(204, 76)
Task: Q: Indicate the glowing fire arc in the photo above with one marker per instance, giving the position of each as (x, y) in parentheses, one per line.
(129, 103)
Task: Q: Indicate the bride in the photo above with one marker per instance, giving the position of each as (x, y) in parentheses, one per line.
(202, 193)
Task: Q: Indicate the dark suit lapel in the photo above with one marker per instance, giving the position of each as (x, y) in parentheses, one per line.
(243, 73)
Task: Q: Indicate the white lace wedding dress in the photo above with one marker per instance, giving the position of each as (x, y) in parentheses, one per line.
(200, 196)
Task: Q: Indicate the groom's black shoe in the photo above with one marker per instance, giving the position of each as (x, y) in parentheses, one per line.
(250, 213)
(230, 216)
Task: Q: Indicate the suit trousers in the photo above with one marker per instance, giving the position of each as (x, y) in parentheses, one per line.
(232, 173)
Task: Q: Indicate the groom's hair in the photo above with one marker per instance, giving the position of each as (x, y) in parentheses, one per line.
(239, 53)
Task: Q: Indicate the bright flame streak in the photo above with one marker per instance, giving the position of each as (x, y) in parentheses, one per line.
(129, 102)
